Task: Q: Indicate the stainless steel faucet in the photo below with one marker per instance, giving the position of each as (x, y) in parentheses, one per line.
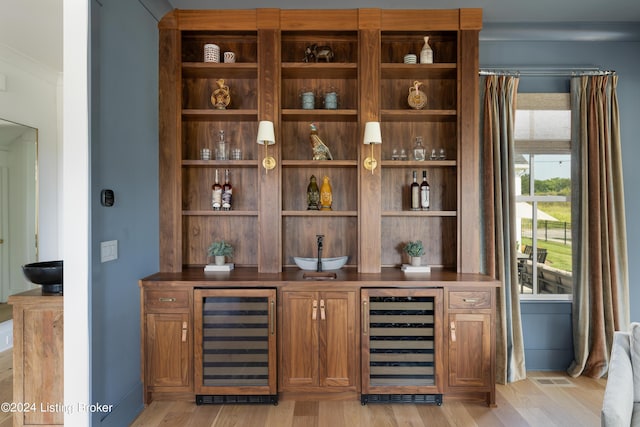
(319, 238)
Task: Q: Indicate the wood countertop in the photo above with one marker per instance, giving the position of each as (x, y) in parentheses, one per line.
(35, 296)
(247, 276)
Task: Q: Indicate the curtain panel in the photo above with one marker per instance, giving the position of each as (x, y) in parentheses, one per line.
(600, 263)
(498, 106)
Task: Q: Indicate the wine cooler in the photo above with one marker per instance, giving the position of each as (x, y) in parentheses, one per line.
(235, 346)
(402, 346)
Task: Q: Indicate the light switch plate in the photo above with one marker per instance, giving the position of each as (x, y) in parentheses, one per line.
(108, 250)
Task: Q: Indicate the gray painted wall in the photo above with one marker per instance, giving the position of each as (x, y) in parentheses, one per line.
(547, 326)
(125, 158)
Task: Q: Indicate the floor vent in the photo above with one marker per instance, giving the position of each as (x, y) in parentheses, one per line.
(554, 381)
(208, 399)
(435, 399)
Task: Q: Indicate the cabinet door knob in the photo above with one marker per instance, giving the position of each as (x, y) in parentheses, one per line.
(184, 331)
(314, 314)
(453, 331)
(322, 313)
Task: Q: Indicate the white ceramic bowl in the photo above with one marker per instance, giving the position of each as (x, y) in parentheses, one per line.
(327, 263)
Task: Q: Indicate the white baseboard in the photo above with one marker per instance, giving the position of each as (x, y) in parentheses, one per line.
(6, 335)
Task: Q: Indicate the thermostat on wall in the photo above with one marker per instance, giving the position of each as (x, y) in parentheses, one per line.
(107, 198)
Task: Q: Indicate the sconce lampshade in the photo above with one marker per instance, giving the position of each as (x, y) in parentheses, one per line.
(372, 133)
(266, 135)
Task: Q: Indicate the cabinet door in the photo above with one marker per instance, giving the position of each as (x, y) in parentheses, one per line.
(469, 350)
(299, 355)
(167, 351)
(338, 339)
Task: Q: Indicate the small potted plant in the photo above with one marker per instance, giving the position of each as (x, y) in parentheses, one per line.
(415, 250)
(219, 250)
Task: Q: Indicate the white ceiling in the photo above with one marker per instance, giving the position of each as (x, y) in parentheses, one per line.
(34, 27)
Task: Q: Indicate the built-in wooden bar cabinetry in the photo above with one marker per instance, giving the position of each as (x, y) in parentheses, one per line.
(315, 338)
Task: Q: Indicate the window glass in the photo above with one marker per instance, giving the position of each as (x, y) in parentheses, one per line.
(543, 197)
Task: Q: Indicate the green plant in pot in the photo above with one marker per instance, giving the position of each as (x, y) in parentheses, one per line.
(415, 249)
(220, 250)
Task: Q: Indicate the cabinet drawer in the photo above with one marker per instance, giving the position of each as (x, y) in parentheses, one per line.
(469, 299)
(166, 300)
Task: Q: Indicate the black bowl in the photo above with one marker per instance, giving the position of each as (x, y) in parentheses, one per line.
(47, 273)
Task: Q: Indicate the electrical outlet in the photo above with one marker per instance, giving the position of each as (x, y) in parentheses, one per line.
(109, 250)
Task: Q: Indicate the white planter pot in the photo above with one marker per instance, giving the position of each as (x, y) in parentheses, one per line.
(415, 261)
(219, 260)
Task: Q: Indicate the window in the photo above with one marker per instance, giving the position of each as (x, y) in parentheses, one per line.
(543, 194)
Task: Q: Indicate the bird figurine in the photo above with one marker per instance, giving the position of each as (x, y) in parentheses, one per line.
(320, 149)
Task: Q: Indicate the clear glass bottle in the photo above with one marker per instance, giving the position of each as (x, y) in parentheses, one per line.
(222, 152)
(419, 151)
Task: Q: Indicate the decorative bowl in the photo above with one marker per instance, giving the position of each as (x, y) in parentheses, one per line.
(48, 274)
(335, 263)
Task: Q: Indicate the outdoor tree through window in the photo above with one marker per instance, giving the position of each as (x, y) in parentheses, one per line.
(543, 193)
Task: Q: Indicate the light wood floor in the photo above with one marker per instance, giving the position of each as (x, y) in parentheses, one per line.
(564, 402)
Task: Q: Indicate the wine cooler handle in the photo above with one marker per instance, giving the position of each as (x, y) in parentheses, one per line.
(453, 331)
(322, 313)
(272, 318)
(184, 331)
(365, 317)
(314, 314)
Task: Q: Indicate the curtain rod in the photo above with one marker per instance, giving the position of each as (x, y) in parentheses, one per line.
(545, 71)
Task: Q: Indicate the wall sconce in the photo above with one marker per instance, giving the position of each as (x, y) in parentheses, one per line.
(266, 137)
(372, 136)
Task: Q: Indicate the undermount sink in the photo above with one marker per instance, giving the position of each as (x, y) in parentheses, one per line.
(47, 274)
(335, 263)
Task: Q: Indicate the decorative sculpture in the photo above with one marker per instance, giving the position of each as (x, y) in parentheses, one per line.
(315, 52)
(417, 99)
(313, 195)
(320, 149)
(221, 97)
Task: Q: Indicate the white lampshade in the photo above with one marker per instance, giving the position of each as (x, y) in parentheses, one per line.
(372, 133)
(266, 134)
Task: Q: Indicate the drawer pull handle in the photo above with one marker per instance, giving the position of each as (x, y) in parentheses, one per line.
(453, 331)
(314, 314)
(184, 331)
(272, 320)
(470, 300)
(165, 299)
(322, 313)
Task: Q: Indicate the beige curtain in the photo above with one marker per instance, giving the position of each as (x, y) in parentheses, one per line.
(600, 266)
(497, 117)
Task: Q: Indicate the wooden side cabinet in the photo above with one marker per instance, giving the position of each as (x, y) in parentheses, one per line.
(319, 341)
(38, 358)
(471, 337)
(168, 342)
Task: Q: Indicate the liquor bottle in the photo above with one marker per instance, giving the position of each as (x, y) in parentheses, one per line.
(313, 195)
(326, 198)
(415, 193)
(418, 149)
(227, 191)
(424, 192)
(216, 194)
